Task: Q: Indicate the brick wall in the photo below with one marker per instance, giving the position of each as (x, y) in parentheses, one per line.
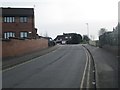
(17, 26)
(16, 47)
(0, 50)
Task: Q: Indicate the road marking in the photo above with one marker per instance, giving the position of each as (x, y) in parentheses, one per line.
(82, 82)
(18, 65)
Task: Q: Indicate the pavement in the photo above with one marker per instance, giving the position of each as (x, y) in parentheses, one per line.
(106, 67)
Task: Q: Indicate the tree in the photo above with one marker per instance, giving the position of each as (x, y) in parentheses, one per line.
(85, 38)
(102, 31)
(79, 38)
(46, 34)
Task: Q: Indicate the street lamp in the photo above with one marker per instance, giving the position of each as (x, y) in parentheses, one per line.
(87, 30)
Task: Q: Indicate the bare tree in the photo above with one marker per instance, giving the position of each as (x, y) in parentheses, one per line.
(46, 34)
(102, 31)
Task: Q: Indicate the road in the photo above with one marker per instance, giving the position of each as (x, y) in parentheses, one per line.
(62, 68)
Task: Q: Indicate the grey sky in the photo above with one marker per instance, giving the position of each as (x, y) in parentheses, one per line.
(66, 16)
(119, 12)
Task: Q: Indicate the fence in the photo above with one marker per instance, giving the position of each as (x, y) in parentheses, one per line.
(111, 40)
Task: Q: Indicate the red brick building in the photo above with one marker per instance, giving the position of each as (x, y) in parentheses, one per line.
(18, 22)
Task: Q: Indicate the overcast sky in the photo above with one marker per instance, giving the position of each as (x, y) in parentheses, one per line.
(56, 17)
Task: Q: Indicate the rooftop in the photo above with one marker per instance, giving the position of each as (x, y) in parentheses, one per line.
(17, 11)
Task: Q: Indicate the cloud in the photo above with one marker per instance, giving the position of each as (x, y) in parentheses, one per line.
(58, 16)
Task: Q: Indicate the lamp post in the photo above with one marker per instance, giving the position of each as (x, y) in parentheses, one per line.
(87, 30)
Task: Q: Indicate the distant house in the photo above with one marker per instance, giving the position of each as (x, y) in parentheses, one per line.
(62, 39)
(68, 38)
(18, 22)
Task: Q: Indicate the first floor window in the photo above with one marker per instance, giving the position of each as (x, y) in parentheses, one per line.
(7, 35)
(9, 19)
(23, 19)
(23, 34)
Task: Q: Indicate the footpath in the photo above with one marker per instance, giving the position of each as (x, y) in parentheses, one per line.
(106, 67)
(12, 61)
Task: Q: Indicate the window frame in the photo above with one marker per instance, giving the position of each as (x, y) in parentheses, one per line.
(23, 34)
(23, 19)
(9, 19)
(9, 34)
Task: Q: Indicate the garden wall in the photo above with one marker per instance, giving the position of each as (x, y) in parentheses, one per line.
(15, 47)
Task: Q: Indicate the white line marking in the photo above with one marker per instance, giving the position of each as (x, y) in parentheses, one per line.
(17, 65)
(25, 62)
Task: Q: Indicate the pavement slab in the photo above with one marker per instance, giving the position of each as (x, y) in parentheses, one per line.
(106, 67)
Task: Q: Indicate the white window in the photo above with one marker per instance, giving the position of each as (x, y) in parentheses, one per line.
(9, 19)
(9, 34)
(66, 37)
(23, 34)
(23, 19)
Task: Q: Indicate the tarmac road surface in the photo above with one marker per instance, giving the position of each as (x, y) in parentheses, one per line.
(62, 68)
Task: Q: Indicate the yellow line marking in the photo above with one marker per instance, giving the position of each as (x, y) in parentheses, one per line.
(88, 75)
(82, 82)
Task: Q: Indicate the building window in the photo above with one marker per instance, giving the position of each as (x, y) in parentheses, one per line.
(23, 19)
(23, 34)
(7, 35)
(66, 37)
(8, 19)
